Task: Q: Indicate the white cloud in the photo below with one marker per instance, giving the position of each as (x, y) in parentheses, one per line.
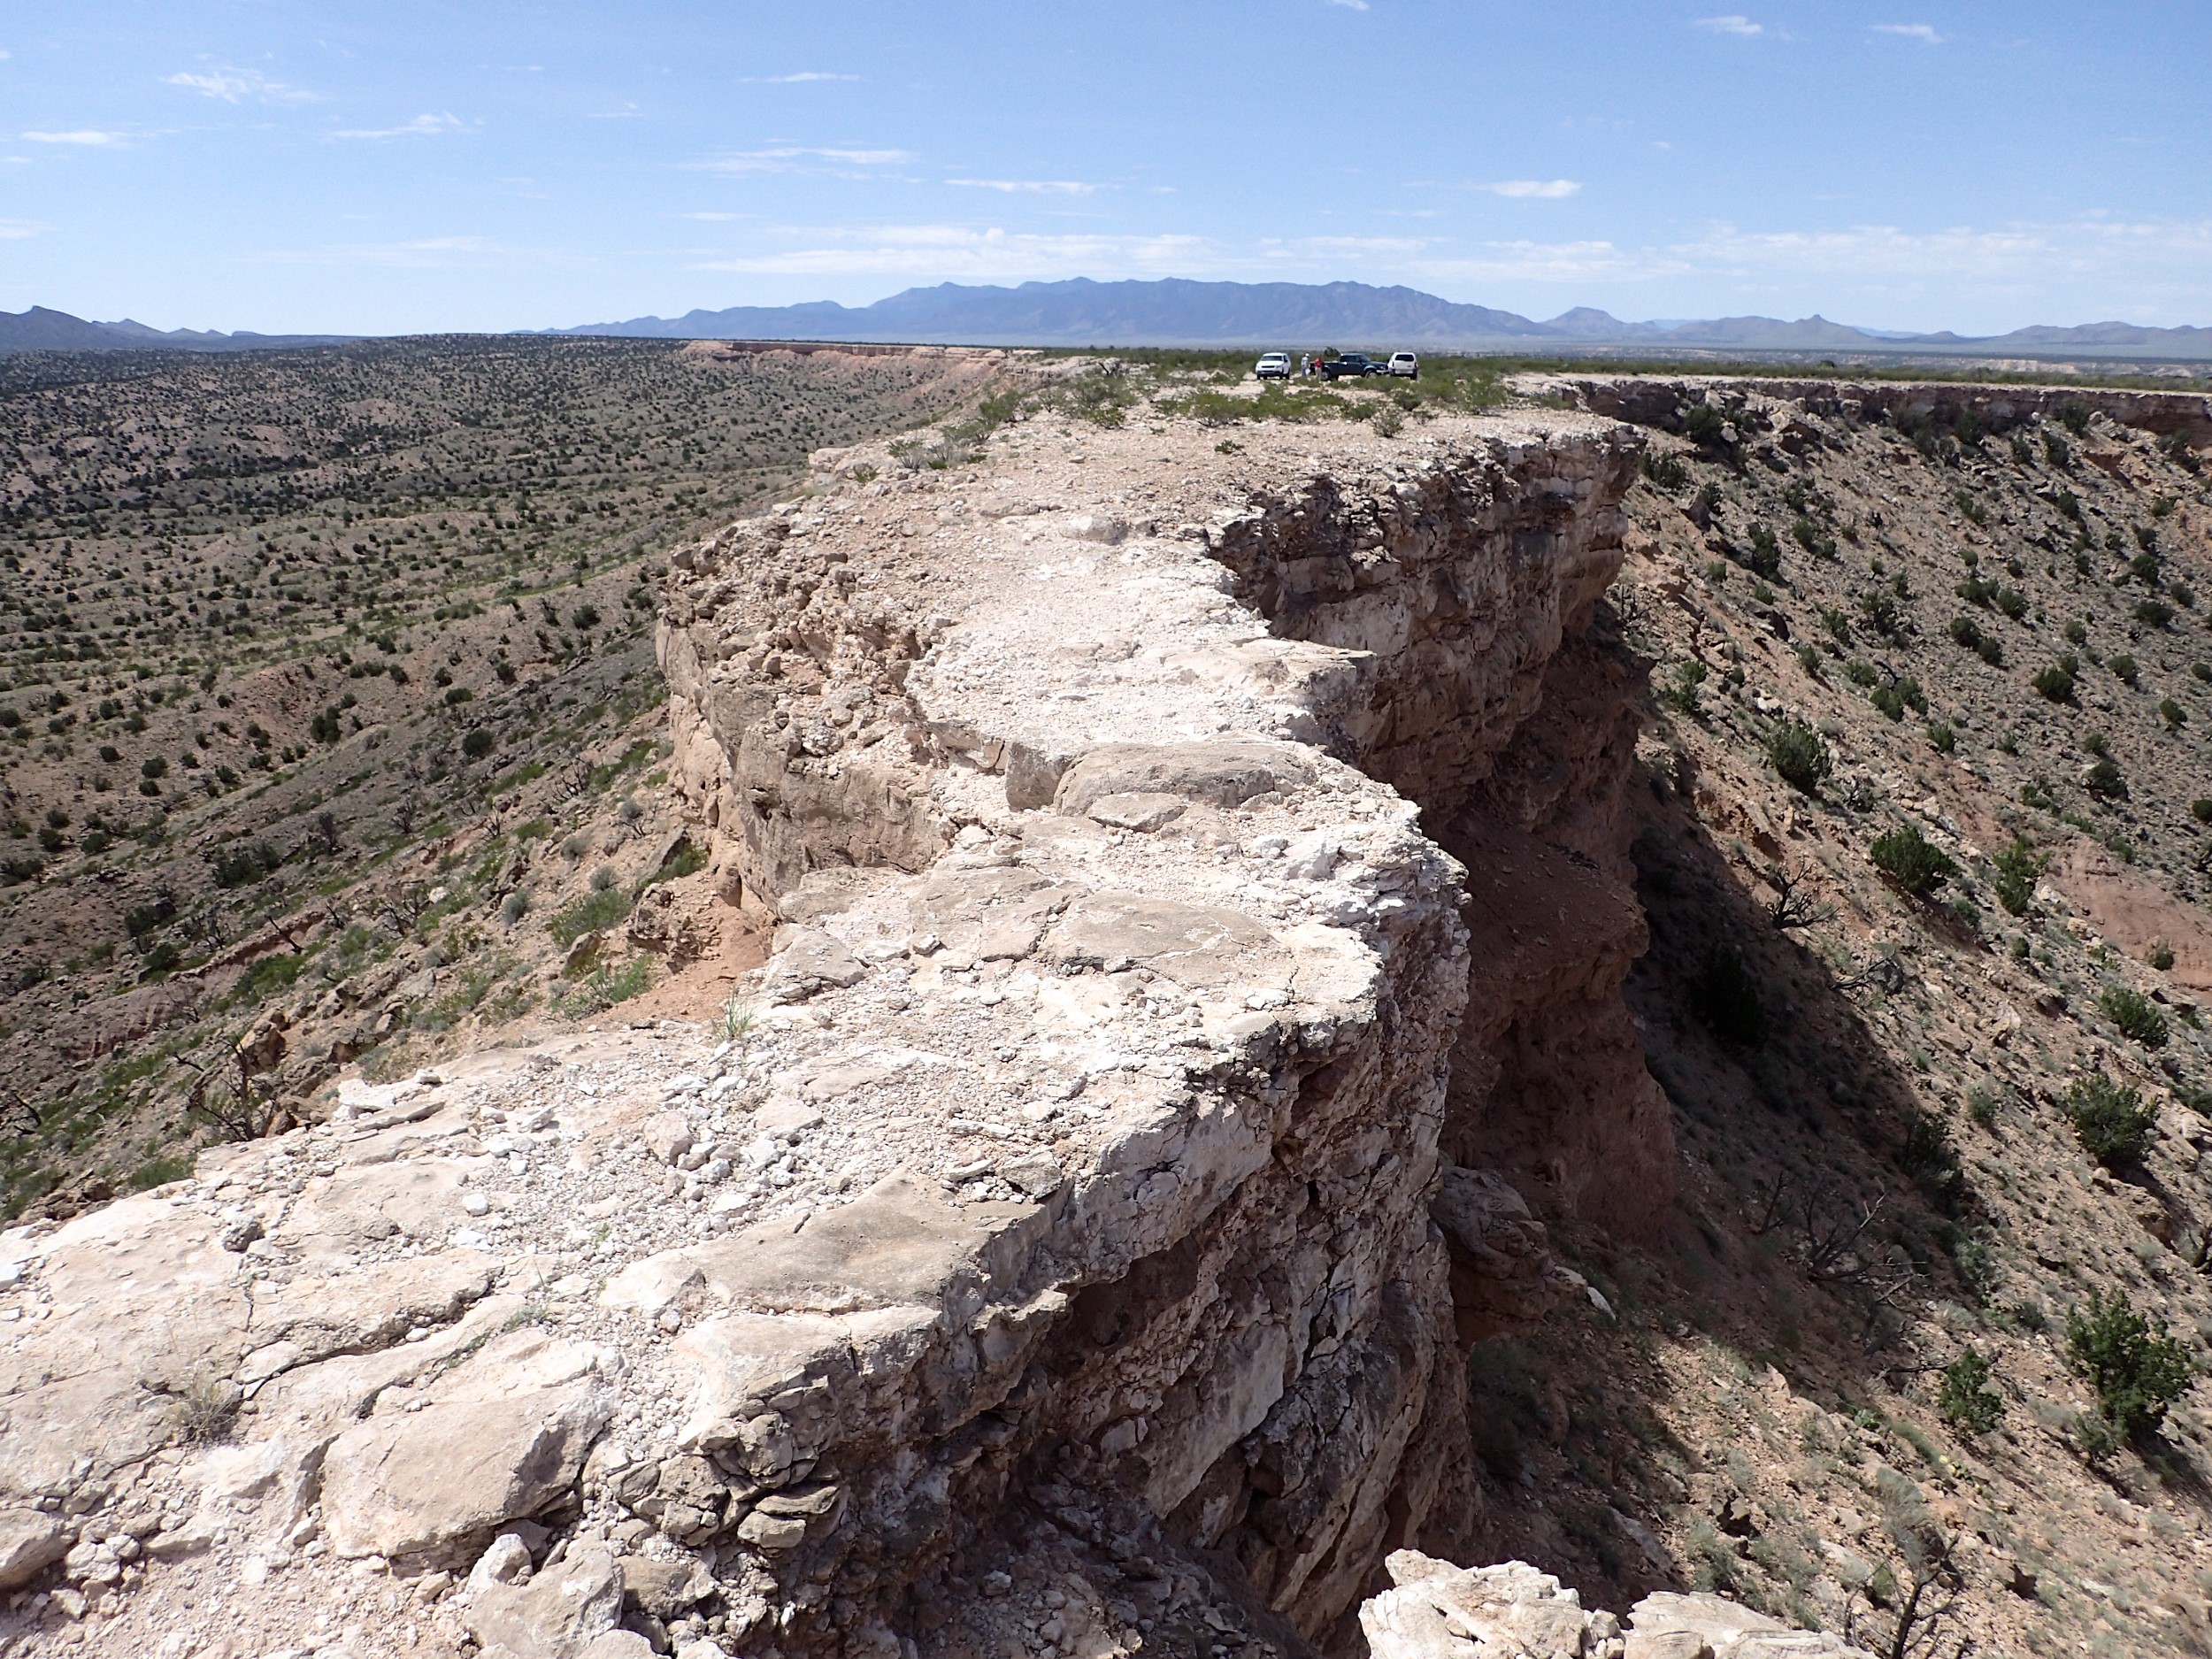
(421, 126)
(1027, 186)
(16, 229)
(715, 219)
(1544, 190)
(1350, 5)
(1924, 33)
(1732, 24)
(791, 81)
(234, 86)
(804, 158)
(85, 136)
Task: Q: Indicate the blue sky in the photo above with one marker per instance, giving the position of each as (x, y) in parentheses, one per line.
(408, 167)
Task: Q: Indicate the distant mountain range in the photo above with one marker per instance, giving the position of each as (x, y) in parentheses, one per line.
(1177, 312)
(39, 329)
(1291, 315)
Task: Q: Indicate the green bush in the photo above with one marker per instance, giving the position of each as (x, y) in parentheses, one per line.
(2012, 602)
(1929, 1158)
(479, 743)
(2154, 613)
(1967, 632)
(2054, 683)
(2137, 1369)
(590, 915)
(1682, 695)
(2017, 868)
(2135, 1014)
(2175, 716)
(2124, 667)
(2201, 809)
(1967, 1402)
(2112, 1124)
(240, 866)
(2077, 634)
(1886, 700)
(1905, 857)
(2104, 780)
(1764, 557)
(1799, 756)
(1666, 471)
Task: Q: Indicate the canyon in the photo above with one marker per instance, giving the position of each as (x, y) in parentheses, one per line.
(1234, 926)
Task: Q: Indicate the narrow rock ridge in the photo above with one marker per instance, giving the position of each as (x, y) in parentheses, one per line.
(1177, 743)
(1196, 878)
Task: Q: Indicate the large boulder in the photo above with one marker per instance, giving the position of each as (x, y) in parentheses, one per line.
(559, 1614)
(505, 1437)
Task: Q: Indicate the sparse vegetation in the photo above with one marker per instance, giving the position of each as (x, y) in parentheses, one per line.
(1906, 858)
(2137, 1369)
(2112, 1123)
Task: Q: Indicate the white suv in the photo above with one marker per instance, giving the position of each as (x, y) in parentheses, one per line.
(1406, 364)
(1274, 367)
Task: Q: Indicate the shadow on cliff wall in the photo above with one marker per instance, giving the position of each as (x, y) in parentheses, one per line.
(1815, 1197)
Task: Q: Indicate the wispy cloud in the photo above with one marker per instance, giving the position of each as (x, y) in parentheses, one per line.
(1350, 5)
(804, 158)
(1924, 33)
(83, 136)
(1541, 189)
(1734, 23)
(234, 86)
(1027, 186)
(794, 79)
(942, 251)
(16, 229)
(423, 254)
(715, 219)
(421, 126)
(627, 113)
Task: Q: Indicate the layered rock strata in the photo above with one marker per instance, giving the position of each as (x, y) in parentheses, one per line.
(1142, 1107)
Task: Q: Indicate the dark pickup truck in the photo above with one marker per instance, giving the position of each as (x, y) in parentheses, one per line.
(1352, 362)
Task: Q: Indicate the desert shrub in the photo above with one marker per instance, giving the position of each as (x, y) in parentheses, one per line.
(242, 866)
(2175, 716)
(2112, 1124)
(1967, 1402)
(2161, 956)
(1838, 625)
(1859, 671)
(1888, 700)
(1764, 557)
(1991, 650)
(2123, 666)
(2077, 634)
(2137, 1369)
(1942, 737)
(600, 910)
(1809, 659)
(1665, 471)
(2104, 780)
(479, 743)
(602, 877)
(1906, 858)
(2135, 1014)
(1798, 753)
(1967, 632)
(1726, 997)
(2017, 868)
(1388, 420)
(2054, 683)
(1812, 538)
(1929, 1158)
(2201, 809)
(2012, 603)
(1681, 695)
(2074, 415)
(514, 907)
(2056, 451)
(1966, 503)
(1879, 609)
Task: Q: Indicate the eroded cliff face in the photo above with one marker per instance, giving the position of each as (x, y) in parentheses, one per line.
(1254, 683)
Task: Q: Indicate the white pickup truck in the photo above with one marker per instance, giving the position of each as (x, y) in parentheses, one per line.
(1274, 367)
(1406, 364)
